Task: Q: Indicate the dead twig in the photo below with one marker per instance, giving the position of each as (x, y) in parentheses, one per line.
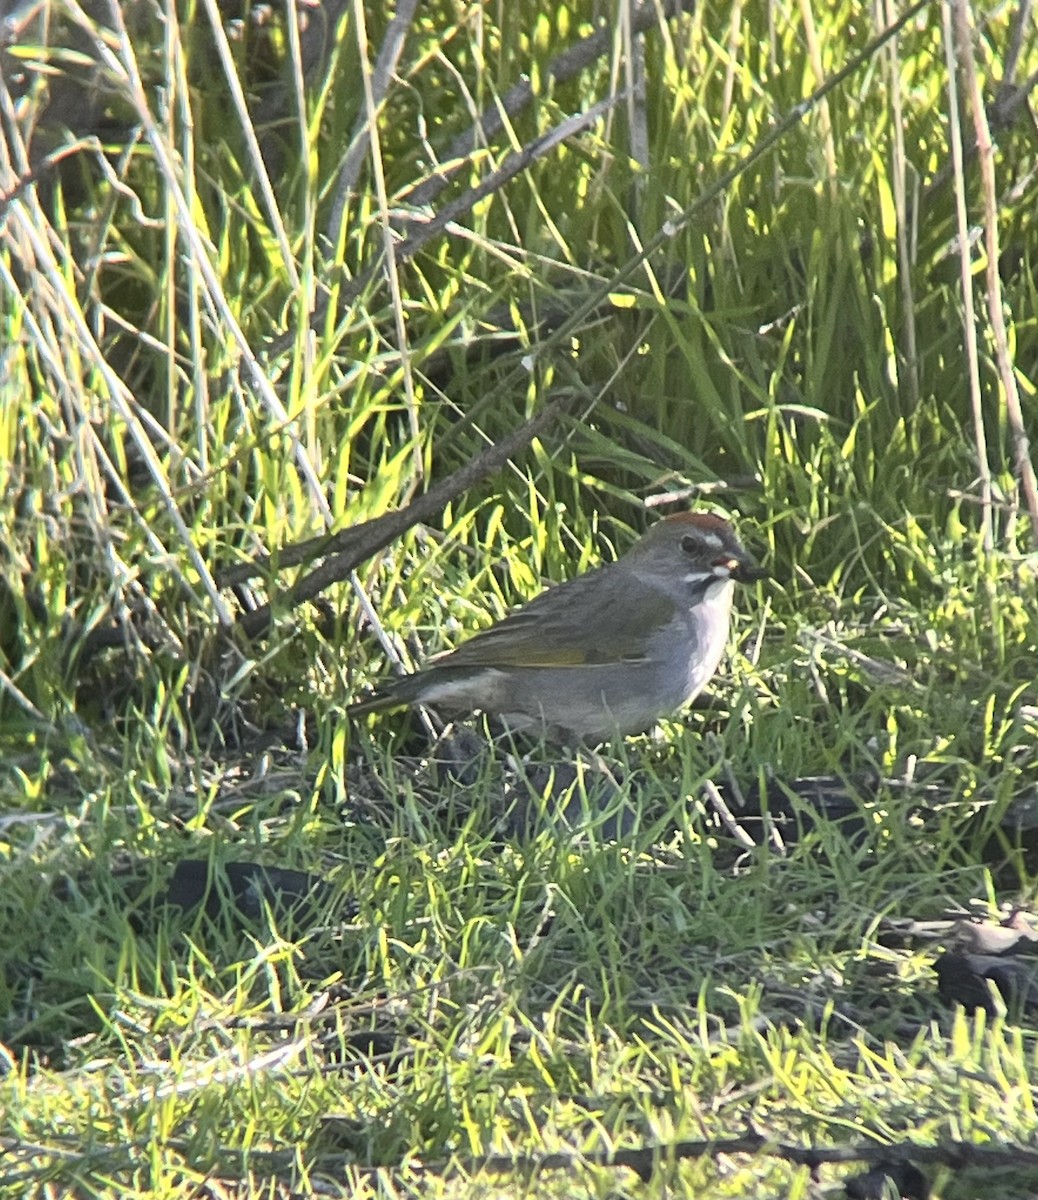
(382, 75)
(423, 232)
(993, 291)
(488, 124)
(569, 63)
(719, 805)
(350, 547)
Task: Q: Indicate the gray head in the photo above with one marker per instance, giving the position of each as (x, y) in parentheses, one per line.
(691, 548)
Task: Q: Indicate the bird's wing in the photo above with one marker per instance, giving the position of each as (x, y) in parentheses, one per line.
(579, 623)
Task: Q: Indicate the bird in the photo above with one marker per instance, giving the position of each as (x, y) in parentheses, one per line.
(605, 655)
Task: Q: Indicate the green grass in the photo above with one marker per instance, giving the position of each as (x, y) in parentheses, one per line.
(794, 352)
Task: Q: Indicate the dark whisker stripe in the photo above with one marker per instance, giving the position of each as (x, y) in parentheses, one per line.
(697, 591)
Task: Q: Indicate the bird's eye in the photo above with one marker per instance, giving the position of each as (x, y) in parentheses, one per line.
(690, 545)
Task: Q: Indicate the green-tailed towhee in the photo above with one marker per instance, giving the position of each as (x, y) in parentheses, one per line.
(607, 653)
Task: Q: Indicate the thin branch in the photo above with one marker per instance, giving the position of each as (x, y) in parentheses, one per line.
(570, 62)
(353, 546)
(1009, 104)
(392, 259)
(996, 304)
(513, 165)
(425, 231)
(720, 806)
(241, 109)
(1021, 22)
(723, 182)
(633, 48)
(980, 443)
(906, 217)
(122, 63)
(385, 67)
(490, 122)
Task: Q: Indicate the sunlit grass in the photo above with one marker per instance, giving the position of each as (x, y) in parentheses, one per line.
(197, 368)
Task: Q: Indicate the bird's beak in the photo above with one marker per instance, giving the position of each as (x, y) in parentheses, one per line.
(744, 570)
